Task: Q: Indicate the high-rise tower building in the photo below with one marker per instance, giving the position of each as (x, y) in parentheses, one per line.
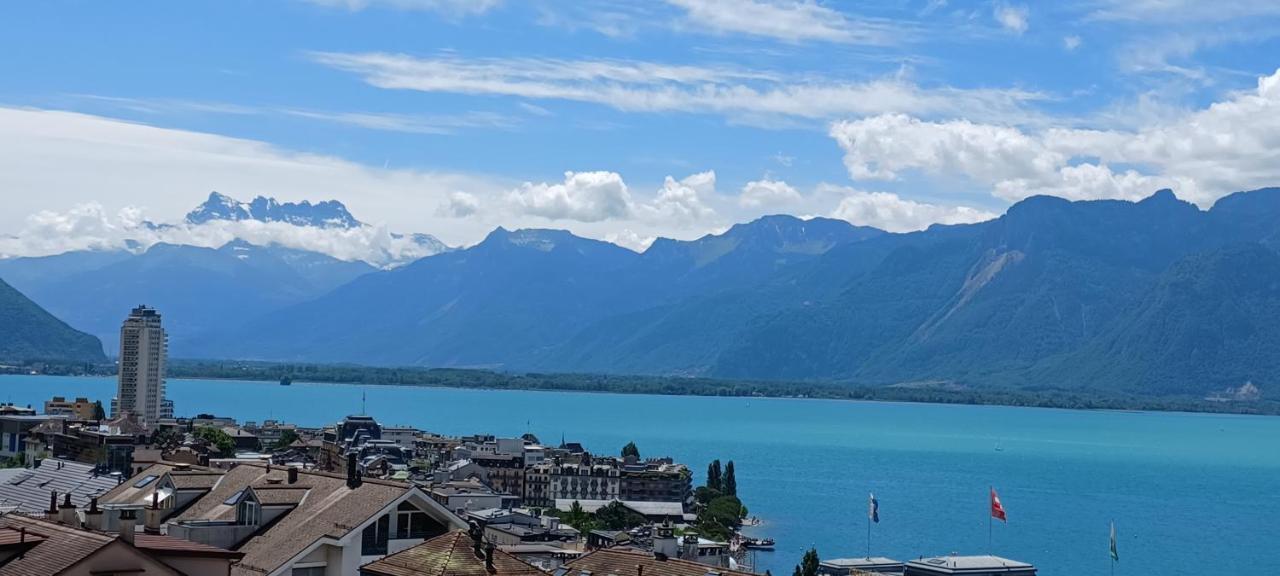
(143, 349)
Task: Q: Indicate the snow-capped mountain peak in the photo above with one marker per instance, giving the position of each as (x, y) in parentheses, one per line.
(327, 214)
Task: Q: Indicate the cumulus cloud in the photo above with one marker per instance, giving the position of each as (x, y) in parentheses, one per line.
(583, 196)
(683, 201)
(890, 212)
(90, 227)
(460, 205)
(786, 20)
(1231, 145)
(767, 193)
(630, 239)
(1071, 42)
(640, 86)
(1012, 18)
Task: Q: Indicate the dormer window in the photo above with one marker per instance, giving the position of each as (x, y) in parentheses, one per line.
(248, 512)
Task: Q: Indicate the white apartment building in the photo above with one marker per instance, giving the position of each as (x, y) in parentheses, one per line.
(144, 347)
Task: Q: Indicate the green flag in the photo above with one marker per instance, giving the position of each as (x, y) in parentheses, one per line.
(1115, 553)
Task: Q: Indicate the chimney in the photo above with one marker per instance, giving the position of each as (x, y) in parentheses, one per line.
(93, 516)
(67, 512)
(293, 474)
(128, 522)
(353, 472)
(488, 557)
(53, 503)
(151, 515)
(477, 534)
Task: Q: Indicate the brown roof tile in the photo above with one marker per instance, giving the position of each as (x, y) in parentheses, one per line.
(450, 554)
(62, 547)
(169, 546)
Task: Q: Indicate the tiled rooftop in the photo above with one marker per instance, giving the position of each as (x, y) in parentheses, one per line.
(451, 554)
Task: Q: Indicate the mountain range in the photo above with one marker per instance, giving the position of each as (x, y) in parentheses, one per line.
(28, 332)
(1156, 296)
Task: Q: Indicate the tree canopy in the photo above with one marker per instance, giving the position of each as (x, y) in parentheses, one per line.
(729, 485)
(217, 439)
(631, 450)
(808, 565)
(713, 476)
(615, 516)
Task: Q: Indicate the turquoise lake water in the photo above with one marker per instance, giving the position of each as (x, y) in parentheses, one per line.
(1189, 492)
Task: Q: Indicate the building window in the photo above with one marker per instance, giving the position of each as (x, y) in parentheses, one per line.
(248, 513)
(373, 541)
(412, 522)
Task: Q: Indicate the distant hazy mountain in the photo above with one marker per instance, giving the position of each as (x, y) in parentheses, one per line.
(196, 289)
(1152, 296)
(223, 207)
(27, 332)
(517, 297)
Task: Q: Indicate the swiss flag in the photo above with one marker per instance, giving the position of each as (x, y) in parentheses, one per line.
(997, 509)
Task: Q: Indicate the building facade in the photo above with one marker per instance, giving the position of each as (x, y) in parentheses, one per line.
(79, 409)
(143, 351)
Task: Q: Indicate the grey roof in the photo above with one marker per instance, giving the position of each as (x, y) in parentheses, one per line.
(968, 564)
(874, 561)
(643, 508)
(27, 489)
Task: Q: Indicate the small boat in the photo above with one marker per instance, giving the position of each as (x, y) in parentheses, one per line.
(286, 381)
(758, 543)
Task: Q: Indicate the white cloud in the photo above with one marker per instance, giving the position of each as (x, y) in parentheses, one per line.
(628, 238)
(786, 20)
(1071, 42)
(767, 193)
(652, 87)
(460, 205)
(683, 201)
(583, 196)
(890, 212)
(447, 7)
(1232, 145)
(1180, 11)
(88, 226)
(1011, 17)
(61, 159)
(408, 123)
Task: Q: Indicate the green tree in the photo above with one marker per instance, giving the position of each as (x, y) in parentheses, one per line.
(578, 518)
(288, 437)
(217, 439)
(615, 516)
(713, 476)
(167, 438)
(98, 412)
(808, 565)
(631, 450)
(730, 483)
(703, 495)
(720, 518)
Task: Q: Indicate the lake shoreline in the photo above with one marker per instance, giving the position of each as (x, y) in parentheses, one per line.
(478, 379)
(1208, 407)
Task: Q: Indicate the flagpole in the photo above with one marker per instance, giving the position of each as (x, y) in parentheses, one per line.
(990, 489)
(868, 537)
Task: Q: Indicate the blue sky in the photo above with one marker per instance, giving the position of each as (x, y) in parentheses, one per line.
(678, 118)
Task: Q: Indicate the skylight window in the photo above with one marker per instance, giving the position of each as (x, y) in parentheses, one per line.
(145, 481)
(234, 498)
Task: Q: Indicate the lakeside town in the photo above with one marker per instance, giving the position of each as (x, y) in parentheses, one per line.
(137, 489)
